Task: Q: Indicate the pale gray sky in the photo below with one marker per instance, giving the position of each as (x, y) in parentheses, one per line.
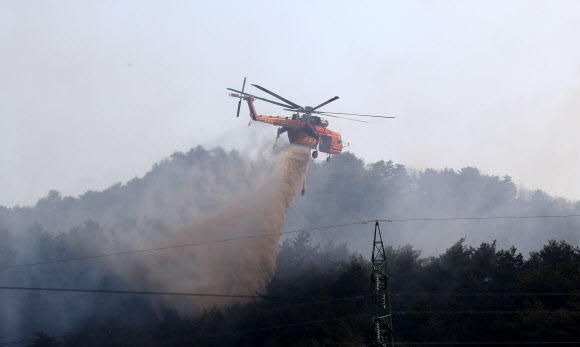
(94, 92)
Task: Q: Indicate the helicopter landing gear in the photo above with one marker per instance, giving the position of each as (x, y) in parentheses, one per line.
(315, 154)
(328, 159)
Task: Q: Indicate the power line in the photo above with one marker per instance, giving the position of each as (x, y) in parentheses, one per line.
(216, 295)
(114, 291)
(488, 312)
(312, 300)
(178, 246)
(476, 218)
(282, 233)
(243, 296)
(249, 296)
(530, 343)
(486, 294)
(491, 343)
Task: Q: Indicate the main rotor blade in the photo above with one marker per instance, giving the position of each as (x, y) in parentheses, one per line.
(352, 114)
(259, 98)
(278, 96)
(354, 120)
(324, 103)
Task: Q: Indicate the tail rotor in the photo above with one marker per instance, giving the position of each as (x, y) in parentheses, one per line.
(240, 102)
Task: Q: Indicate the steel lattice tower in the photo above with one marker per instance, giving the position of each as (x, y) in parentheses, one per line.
(381, 303)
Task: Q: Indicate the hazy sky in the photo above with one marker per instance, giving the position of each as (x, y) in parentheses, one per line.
(94, 92)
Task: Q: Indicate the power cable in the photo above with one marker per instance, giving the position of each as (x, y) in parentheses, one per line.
(531, 343)
(249, 296)
(178, 246)
(475, 218)
(135, 292)
(486, 294)
(282, 233)
(488, 312)
(280, 298)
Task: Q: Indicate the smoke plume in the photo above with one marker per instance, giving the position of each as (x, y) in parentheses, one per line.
(202, 195)
(234, 267)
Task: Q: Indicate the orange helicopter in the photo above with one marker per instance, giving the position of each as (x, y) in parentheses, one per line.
(303, 127)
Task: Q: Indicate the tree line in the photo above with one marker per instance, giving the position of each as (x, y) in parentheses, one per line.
(466, 294)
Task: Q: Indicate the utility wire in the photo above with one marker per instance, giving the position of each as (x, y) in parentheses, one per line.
(179, 246)
(488, 312)
(282, 233)
(476, 218)
(486, 294)
(266, 297)
(531, 343)
(216, 295)
(280, 298)
(310, 301)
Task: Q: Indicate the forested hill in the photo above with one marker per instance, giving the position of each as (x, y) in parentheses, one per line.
(187, 186)
(179, 189)
(348, 189)
(153, 211)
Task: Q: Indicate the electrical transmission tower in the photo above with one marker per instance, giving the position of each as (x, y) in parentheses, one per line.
(381, 303)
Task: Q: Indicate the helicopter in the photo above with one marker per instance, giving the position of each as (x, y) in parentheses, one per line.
(305, 127)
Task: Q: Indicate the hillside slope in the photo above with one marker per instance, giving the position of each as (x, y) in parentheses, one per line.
(186, 188)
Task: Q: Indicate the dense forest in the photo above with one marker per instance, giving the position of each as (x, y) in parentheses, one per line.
(329, 265)
(321, 298)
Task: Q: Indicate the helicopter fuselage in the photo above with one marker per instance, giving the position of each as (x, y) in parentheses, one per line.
(307, 131)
